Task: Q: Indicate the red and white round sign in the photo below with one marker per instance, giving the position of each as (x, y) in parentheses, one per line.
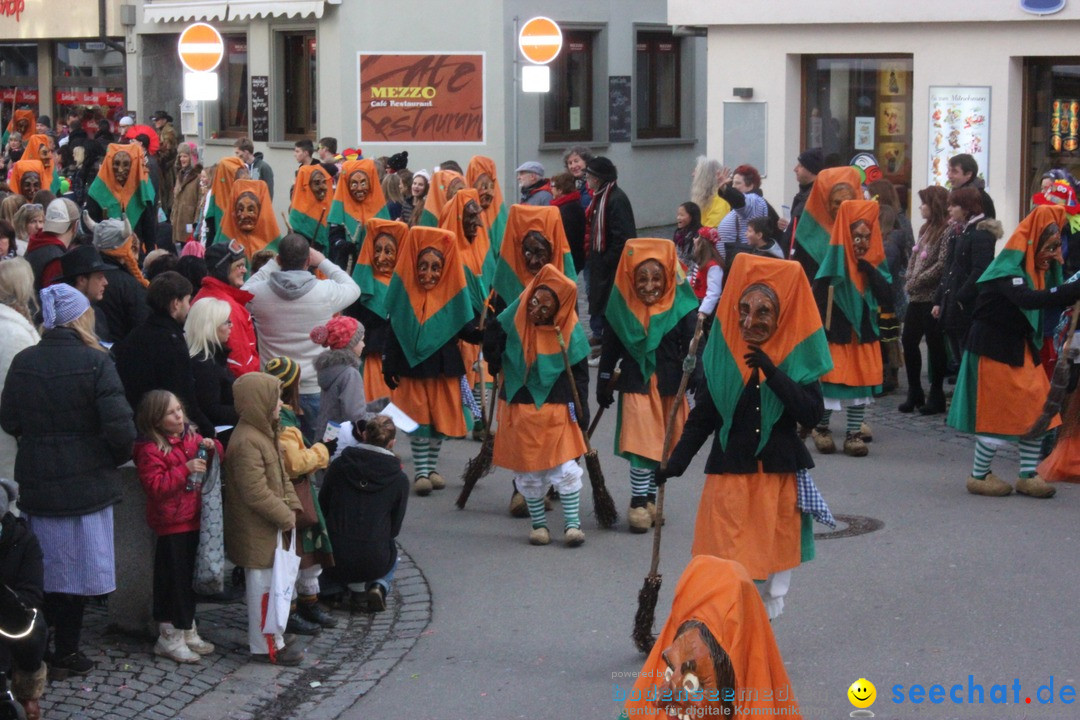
(540, 40)
(201, 48)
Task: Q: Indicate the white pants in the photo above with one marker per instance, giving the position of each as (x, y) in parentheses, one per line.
(258, 585)
(307, 582)
(773, 591)
(837, 404)
(566, 478)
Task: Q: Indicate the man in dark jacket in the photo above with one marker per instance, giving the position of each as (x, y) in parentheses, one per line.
(535, 188)
(155, 356)
(609, 224)
(807, 166)
(124, 303)
(81, 268)
(964, 172)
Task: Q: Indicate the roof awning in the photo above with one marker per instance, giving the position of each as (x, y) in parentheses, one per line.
(248, 9)
(180, 11)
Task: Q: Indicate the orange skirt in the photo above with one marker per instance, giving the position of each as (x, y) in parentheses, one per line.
(1010, 399)
(532, 439)
(855, 364)
(374, 385)
(754, 519)
(469, 355)
(435, 403)
(643, 420)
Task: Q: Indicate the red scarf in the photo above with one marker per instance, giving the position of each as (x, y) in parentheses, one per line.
(596, 219)
(567, 198)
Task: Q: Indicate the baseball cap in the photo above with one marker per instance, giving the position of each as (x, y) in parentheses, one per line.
(126, 121)
(60, 214)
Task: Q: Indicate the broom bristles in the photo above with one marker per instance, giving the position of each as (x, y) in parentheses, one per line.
(475, 469)
(646, 613)
(603, 503)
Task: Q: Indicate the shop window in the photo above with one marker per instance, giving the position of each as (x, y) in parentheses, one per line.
(1051, 122)
(89, 74)
(18, 78)
(299, 84)
(233, 89)
(855, 104)
(657, 85)
(568, 107)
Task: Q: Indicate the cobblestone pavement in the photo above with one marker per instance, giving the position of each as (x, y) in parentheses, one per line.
(342, 664)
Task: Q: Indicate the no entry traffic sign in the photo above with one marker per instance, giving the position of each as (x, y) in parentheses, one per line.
(540, 40)
(201, 48)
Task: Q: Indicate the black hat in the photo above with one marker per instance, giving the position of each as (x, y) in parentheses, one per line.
(45, 120)
(161, 115)
(602, 168)
(813, 160)
(220, 257)
(400, 161)
(81, 260)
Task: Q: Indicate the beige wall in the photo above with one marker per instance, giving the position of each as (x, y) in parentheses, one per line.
(56, 19)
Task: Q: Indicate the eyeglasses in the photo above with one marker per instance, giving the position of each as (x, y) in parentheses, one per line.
(33, 206)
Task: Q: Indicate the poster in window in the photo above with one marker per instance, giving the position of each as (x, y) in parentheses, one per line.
(892, 119)
(959, 123)
(891, 157)
(864, 133)
(893, 79)
(421, 98)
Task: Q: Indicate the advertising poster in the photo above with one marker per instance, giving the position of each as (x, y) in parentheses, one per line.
(864, 133)
(420, 98)
(959, 123)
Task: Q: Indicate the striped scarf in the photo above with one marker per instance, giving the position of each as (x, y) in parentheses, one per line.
(596, 219)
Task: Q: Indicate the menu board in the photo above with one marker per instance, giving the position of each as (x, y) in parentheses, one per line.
(619, 107)
(959, 123)
(260, 108)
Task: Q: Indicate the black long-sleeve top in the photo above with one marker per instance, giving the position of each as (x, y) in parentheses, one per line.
(999, 329)
(669, 359)
(444, 362)
(840, 331)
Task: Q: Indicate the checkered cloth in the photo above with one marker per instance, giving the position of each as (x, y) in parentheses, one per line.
(810, 500)
(573, 413)
(61, 304)
(467, 399)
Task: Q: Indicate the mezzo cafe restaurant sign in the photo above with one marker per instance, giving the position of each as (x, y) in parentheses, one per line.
(421, 98)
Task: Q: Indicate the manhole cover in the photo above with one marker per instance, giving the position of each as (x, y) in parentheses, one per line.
(855, 525)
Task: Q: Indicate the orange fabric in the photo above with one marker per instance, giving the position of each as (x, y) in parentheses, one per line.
(798, 318)
(480, 165)
(433, 401)
(472, 253)
(135, 178)
(1010, 399)
(222, 183)
(751, 518)
(543, 339)
(27, 115)
(1025, 238)
(640, 417)
(303, 200)
(469, 355)
(522, 219)
(437, 196)
(373, 203)
(721, 594)
(127, 254)
(1063, 464)
(266, 227)
(636, 252)
(373, 228)
(21, 168)
(532, 439)
(426, 303)
(855, 364)
(852, 211)
(374, 385)
(818, 202)
(33, 152)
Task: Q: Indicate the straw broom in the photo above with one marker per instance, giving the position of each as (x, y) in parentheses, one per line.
(480, 465)
(600, 411)
(603, 504)
(1059, 382)
(650, 589)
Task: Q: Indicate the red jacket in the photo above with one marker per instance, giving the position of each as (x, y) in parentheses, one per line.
(43, 253)
(170, 507)
(243, 350)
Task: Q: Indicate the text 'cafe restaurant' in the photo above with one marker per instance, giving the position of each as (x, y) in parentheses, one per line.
(51, 61)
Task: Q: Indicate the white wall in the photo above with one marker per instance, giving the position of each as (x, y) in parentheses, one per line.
(846, 12)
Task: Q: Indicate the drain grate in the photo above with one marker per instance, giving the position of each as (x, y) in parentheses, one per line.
(855, 525)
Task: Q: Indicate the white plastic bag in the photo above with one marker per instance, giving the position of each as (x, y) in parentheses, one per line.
(282, 579)
(209, 577)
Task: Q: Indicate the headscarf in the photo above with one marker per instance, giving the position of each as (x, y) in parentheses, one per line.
(266, 233)
(720, 594)
(22, 167)
(21, 114)
(373, 286)
(494, 218)
(425, 320)
(61, 304)
(533, 358)
(1017, 259)
(135, 197)
(437, 190)
(798, 347)
(51, 180)
(641, 327)
(841, 268)
(221, 189)
(307, 215)
(344, 210)
(476, 256)
(815, 226)
(511, 275)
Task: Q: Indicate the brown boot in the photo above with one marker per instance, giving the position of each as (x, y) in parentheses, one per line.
(1035, 487)
(855, 446)
(991, 485)
(823, 440)
(28, 689)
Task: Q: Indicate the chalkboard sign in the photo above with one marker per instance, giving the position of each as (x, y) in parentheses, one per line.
(619, 106)
(260, 108)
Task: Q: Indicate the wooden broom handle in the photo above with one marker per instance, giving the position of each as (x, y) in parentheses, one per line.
(573, 386)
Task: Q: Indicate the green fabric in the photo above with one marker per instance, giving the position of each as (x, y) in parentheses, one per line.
(541, 377)
(836, 391)
(1009, 264)
(806, 545)
(142, 199)
(56, 188)
(506, 282)
(372, 292)
(642, 344)
(965, 398)
(310, 228)
(288, 418)
(480, 285)
(419, 341)
(806, 362)
(427, 219)
(316, 538)
(847, 297)
(812, 237)
(498, 229)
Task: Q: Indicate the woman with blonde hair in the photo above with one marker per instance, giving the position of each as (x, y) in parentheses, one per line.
(704, 186)
(207, 330)
(10, 205)
(17, 333)
(29, 220)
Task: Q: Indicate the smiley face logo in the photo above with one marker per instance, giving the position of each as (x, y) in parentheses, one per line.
(862, 693)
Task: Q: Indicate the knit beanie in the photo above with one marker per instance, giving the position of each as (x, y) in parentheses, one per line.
(602, 168)
(339, 333)
(61, 304)
(813, 160)
(9, 493)
(284, 369)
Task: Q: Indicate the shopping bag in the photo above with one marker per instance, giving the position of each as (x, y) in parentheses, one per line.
(307, 517)
(209, 576)
(282, 580)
